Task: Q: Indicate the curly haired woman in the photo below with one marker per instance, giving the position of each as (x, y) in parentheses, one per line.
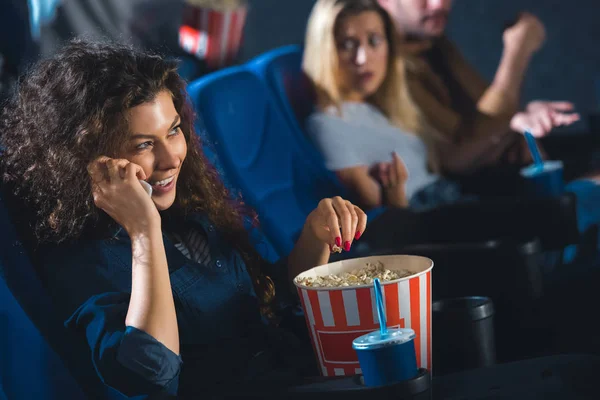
(167, 289)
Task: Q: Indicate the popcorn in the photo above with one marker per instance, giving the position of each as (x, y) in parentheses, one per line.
(336, 249)
(362, 276)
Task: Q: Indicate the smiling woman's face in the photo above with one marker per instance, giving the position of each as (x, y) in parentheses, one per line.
(158, 145)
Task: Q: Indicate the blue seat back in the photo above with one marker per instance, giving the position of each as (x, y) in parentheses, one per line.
(259, 152)
(34, 334)
(294, 94)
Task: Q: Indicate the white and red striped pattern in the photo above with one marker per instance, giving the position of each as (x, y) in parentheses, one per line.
(212, 35)
(337, 316)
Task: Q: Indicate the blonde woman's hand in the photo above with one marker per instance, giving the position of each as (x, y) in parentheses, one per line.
(392, 176)
(337, 223)
(117, 191)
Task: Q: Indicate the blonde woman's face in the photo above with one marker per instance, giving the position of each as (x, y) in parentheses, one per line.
(363, 52)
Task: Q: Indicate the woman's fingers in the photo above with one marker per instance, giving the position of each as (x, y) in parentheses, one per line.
(354, 221)
(385, 174)
(393, 171)
(134, 171)
(329, 220)
(107, 171)
(361, 225)
(344, 221)
(398, 174)
(97, 170)
(116, 169)
(400, 167)
(375, 171)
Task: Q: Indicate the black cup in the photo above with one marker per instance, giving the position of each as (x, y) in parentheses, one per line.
(463, 334)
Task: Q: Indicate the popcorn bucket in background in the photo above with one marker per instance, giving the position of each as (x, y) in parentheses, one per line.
(337, 315)
(212, 30)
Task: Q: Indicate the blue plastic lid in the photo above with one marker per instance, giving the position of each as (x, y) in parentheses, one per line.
(548, 166)
(376, 340)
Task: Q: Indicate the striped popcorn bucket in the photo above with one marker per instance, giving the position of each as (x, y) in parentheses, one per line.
(337, 315)
(211, 34)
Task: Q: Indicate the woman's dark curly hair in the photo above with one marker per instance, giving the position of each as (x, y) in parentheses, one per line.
(70, 109)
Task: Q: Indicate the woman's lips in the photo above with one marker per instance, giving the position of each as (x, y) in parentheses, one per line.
(162, 189)
(365, 76)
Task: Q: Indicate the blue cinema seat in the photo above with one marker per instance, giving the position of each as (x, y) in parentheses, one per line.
(281, 69)
(292, 93)
(260, 154)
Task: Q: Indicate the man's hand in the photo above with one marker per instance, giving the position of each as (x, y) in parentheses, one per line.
(541, 117)
(527, 34)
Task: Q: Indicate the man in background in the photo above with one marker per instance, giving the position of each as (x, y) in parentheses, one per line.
(479, 118)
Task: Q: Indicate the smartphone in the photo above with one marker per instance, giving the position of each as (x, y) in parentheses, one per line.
(147, 187)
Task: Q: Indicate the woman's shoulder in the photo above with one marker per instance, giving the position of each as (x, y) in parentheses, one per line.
(324, 114)
(348, 111)
(331, 119)
(347, 115)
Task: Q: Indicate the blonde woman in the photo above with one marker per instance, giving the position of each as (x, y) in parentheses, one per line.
(366, 125)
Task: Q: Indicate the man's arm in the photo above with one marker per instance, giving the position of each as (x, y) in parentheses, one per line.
(521, 41)
(479, 137)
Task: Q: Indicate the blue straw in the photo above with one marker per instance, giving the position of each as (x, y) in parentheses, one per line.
(533, 149)
(380, 307)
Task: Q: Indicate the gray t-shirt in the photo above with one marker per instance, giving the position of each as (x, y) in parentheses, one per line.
(362, 135)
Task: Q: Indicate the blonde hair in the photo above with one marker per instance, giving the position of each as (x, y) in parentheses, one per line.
(320, 63)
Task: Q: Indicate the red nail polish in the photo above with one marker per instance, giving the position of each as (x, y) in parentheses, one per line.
(347, 245)
(338, 241)
(357, 235)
